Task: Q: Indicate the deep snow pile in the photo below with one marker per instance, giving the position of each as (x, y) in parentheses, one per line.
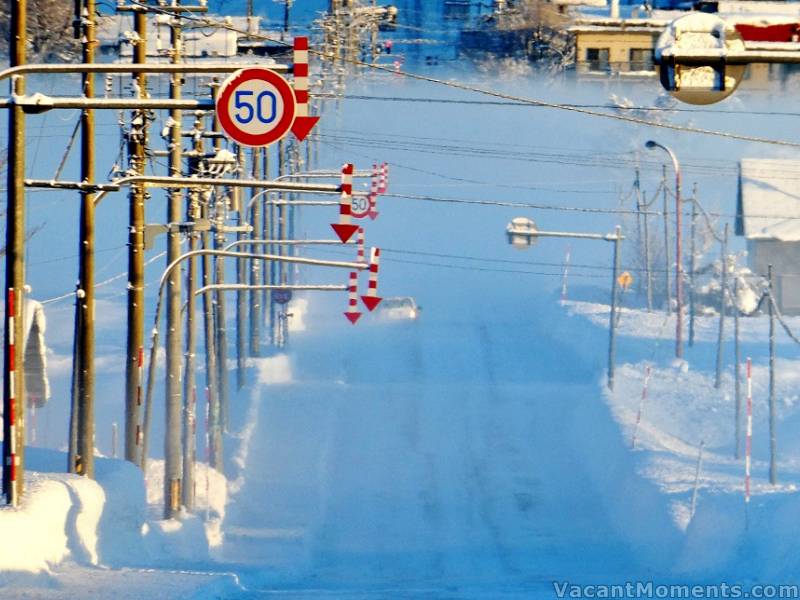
(666, 416)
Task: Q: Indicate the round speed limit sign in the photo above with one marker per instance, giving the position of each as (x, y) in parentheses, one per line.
(359, 206)
(256, 107)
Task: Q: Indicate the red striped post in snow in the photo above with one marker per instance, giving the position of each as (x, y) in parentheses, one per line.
(353, 314)
(360, 245)
(303, 123)
(373, 193)
(371, 300)
(344, 228)
(11, 458)
(641, 404)
(748, 445)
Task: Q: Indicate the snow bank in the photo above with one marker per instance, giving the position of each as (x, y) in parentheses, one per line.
(189, 536)
(58, 518)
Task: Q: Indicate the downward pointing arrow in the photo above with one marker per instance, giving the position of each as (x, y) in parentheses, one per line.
(302, 127)
(353, 316)
(371, 301)
(345, 232)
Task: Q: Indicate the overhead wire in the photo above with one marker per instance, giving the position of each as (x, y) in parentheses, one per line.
(496, 94)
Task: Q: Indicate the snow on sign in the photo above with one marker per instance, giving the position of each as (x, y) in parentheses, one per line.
(256, 107)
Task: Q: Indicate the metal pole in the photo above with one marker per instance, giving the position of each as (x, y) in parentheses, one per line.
(84, 459)
(265, 228)
(612, 321)
(189, 381)
(212, 389)
(221, 323)
(678, 262)
(692, 266)
(722, 307)
(13, 381)
(172, 438)
(255, 266)
(135, 334)
(773, 475)
(737, 370)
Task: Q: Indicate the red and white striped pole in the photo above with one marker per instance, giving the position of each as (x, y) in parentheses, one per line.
(383, 183)
(344, 228)
(360, 246)
(371, 300)
(373, 194)
(353, 313)
(748, 445)
(12, 460)
(641, 404)
(303, 123)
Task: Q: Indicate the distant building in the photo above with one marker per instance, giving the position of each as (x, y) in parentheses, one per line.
(622, 41)
(768, 216)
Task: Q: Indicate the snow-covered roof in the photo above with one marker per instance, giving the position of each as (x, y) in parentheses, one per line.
(759, 7)
(769, 199)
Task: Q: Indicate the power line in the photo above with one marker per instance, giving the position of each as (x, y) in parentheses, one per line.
(495, 94)
(412, 99)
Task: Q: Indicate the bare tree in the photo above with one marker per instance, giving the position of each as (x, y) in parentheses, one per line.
(50, 30)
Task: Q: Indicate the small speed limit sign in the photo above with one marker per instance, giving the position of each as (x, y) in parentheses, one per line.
(256, 107)
(359, 206)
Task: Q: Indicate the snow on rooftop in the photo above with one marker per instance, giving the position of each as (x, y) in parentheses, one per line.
(770, 200)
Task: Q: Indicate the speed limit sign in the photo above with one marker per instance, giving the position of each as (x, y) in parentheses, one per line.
(256, 107)
(359, 206)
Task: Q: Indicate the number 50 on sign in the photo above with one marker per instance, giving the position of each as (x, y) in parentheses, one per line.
(256, 107)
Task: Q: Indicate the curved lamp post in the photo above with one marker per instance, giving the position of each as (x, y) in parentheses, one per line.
(650, 144)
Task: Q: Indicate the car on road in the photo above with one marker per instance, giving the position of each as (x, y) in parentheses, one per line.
(399, 308)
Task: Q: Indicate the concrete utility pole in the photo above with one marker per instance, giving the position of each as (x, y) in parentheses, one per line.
(84, 317)
(13, 363)
(773, 449)
(722, 307)
(172, 439)
(189, 384)
(256, 309)
(137, 142)
(692, 266)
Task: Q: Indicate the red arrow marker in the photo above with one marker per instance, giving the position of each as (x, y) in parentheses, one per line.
(371, 300)
(352, 314)
(345, 232)
(303, 124)
(344, 229)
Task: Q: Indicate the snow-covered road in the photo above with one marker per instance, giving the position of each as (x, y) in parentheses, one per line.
(442, 456)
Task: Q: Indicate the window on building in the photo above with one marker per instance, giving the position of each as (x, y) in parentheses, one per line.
(641, 59)
(597, 58)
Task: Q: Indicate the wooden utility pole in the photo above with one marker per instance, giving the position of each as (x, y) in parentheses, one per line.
(137, 142)
(84, 317)
(13, 380)
(773, 474)
(172, 438)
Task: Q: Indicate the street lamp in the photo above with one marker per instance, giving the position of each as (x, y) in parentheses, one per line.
(522, 233)
(650, 145)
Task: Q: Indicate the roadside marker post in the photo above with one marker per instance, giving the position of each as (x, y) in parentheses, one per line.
(371, 299)
(344, 228)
